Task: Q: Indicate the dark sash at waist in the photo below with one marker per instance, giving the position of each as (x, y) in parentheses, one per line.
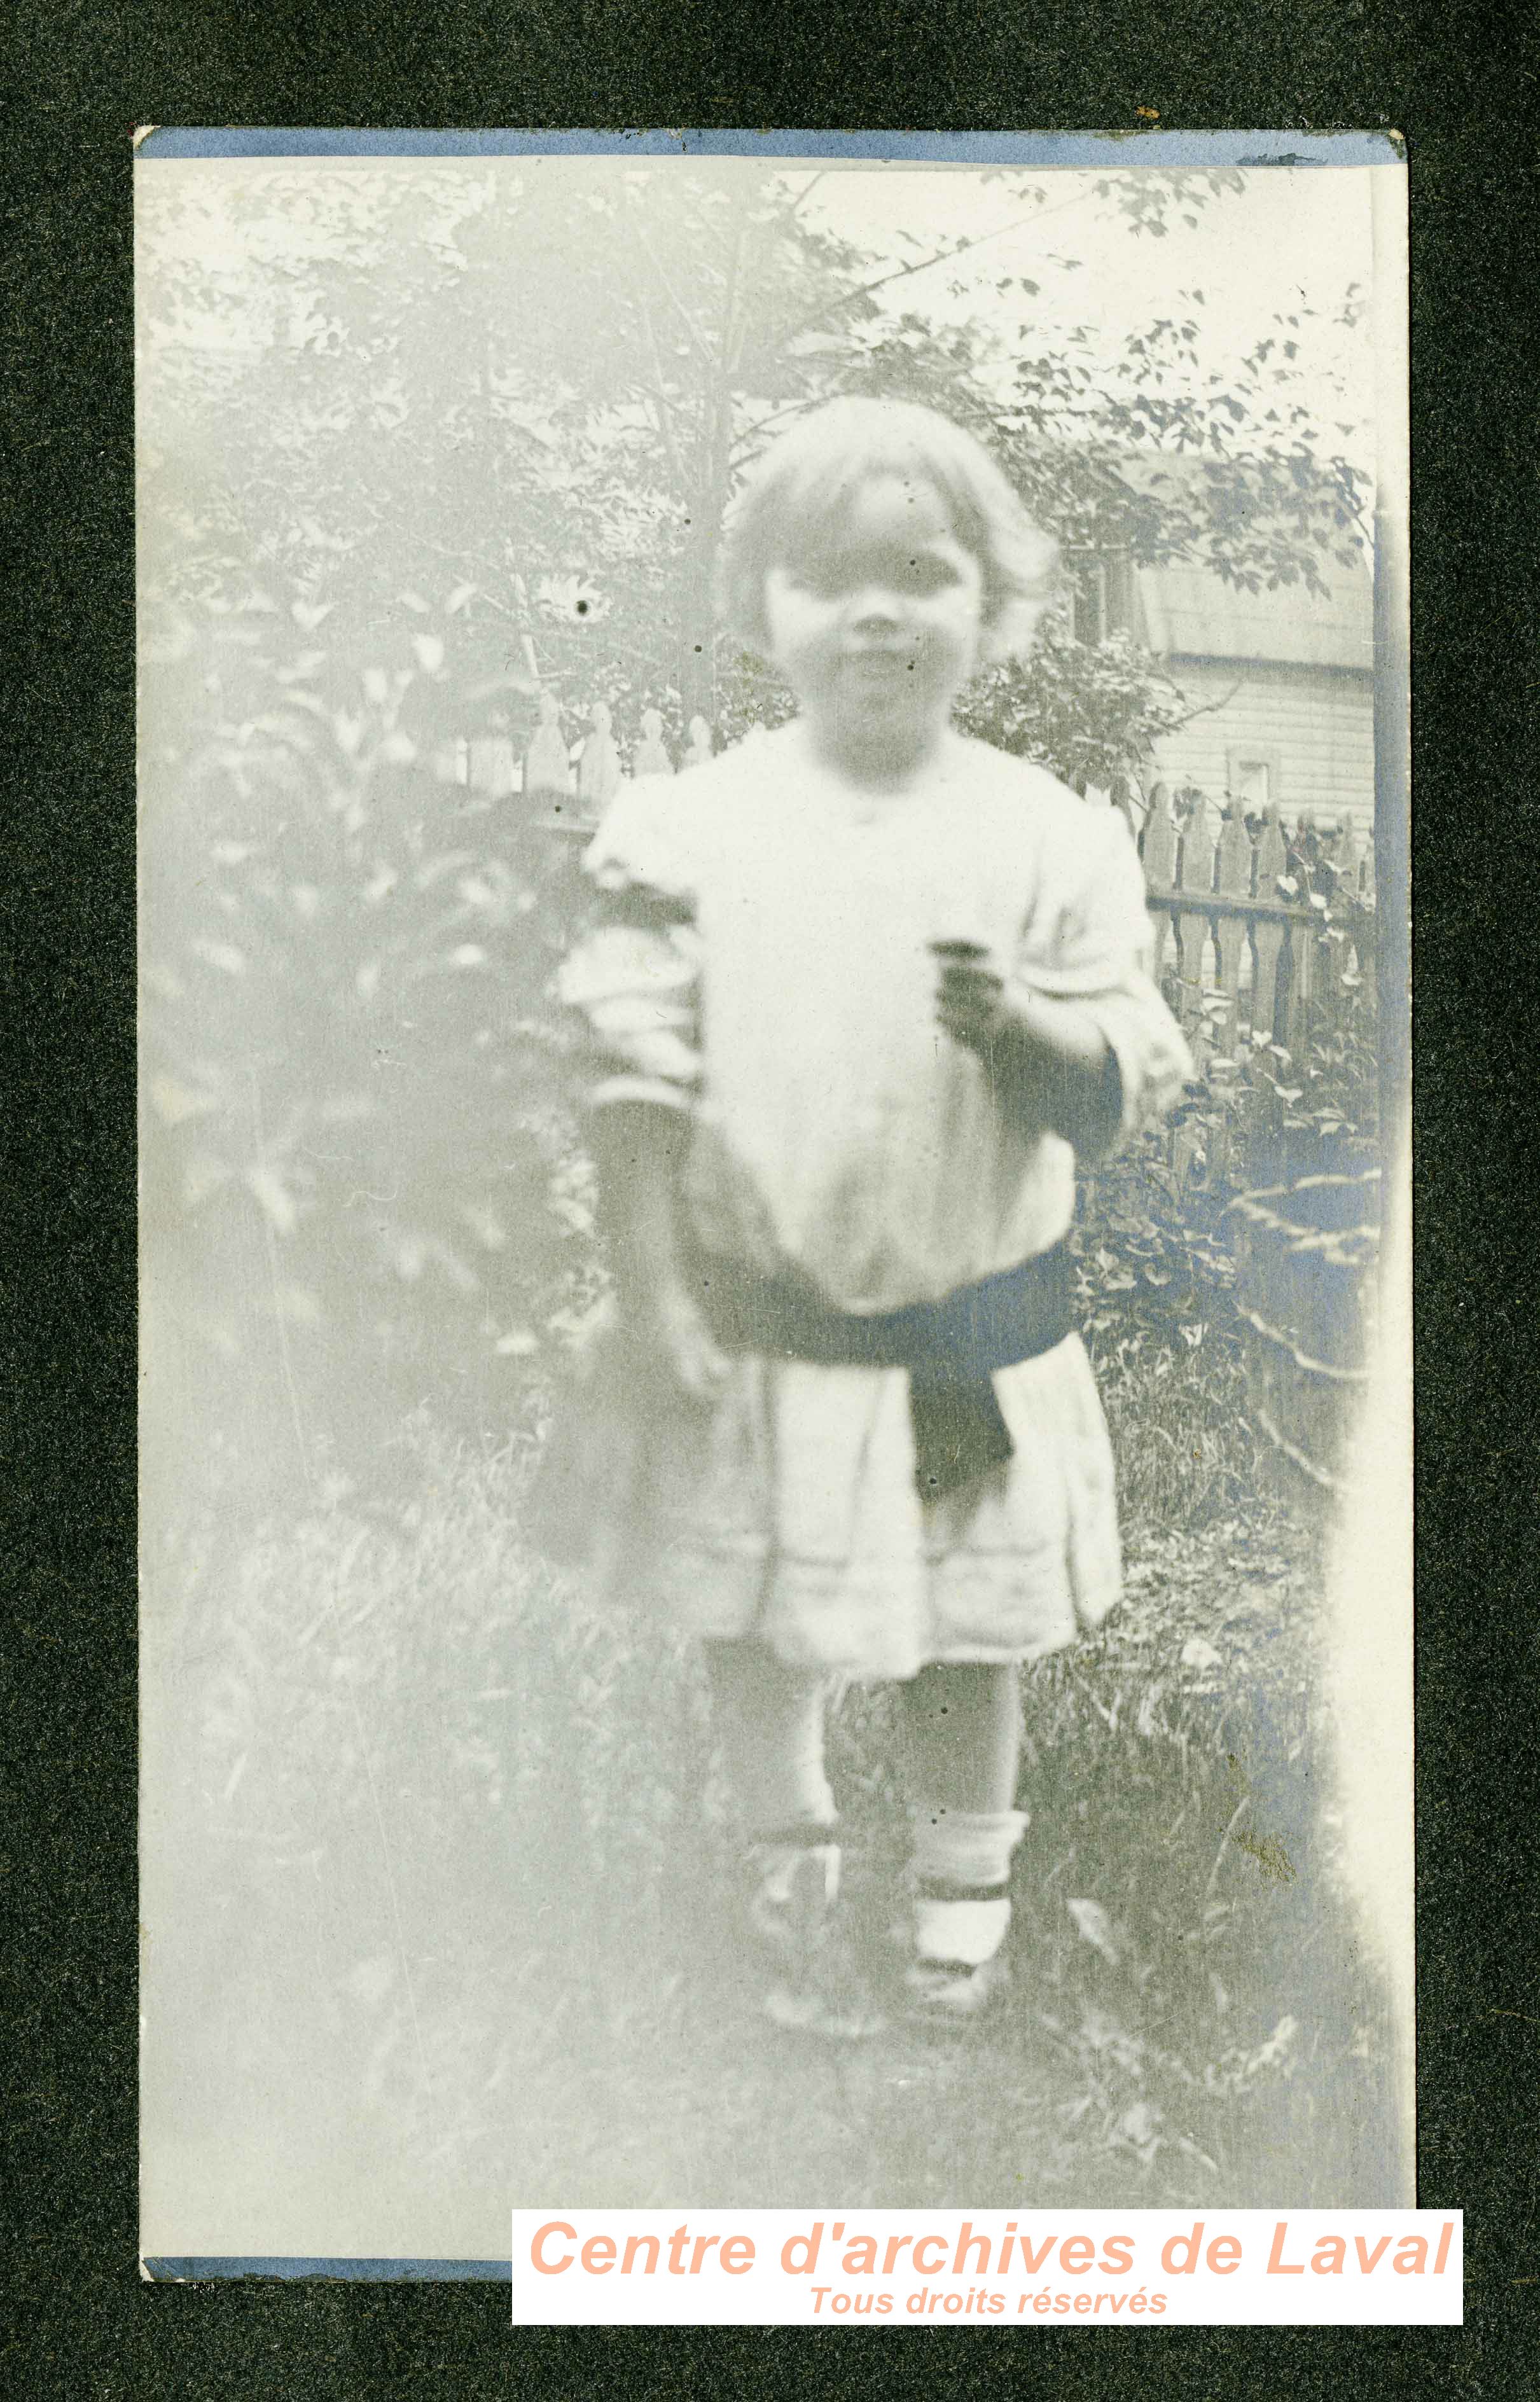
(965, 1335)
(951, 1348)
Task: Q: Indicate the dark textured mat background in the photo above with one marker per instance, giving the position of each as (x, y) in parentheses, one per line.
(1461, 86)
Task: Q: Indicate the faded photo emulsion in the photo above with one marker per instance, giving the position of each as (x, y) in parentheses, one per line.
(776, 1557)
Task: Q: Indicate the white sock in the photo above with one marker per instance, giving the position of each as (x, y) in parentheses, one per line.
(953, 1850)
(968, 1932)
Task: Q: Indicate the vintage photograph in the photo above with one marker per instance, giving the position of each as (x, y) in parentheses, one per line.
(775, 1385)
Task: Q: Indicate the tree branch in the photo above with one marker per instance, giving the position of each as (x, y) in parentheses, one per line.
(657, 400)
(768, 424)
(918, 266)
(696, 336)
(1206, 708)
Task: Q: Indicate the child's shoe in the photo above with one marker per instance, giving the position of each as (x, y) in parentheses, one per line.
(793, 1886)
(959, 1964)
(793, 1893)
(949, 1993)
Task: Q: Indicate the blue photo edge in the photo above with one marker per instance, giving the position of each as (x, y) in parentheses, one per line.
(1131, 147)
(160, 2270)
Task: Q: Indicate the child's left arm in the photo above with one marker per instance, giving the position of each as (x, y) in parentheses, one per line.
(1048, 1060)
(1074, 1035)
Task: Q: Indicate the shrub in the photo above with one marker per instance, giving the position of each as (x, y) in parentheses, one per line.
(1156, 1238)
(361, 1186)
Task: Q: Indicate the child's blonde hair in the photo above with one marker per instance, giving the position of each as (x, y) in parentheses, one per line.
(803, 482)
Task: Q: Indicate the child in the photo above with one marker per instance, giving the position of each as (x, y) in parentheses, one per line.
(863, 990)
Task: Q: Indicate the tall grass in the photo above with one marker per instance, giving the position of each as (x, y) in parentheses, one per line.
(1185, 1448)
(436, 1922)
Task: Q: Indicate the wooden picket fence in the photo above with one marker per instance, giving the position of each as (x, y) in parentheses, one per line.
(1256, 939)
(1266, 939)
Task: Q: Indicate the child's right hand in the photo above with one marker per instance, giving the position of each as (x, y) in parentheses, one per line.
(670, 1320)
(640, 1155)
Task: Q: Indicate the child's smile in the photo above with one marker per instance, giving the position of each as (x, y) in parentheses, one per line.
(876, 627)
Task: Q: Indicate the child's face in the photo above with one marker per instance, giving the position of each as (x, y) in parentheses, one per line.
(876, 628)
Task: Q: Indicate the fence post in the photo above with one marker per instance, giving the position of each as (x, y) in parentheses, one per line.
(1268, 938)
(598, 766)
(1345, 858)
(547, 774)
(491, 764)
(1304, 944)
(1193, 928)
(650, 755)
(1160, 866)
(1233, 871)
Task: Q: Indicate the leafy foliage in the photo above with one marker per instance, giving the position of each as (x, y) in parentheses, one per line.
(1158, 1240)
(360, 1181)
(1086, 710)
(551, 385)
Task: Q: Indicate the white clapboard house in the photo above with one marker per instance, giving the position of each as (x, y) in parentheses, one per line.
(1281, 683)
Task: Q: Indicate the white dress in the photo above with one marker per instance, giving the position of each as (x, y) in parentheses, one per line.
(771, 974)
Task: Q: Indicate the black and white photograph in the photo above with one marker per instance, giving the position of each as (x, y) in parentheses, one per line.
(775, 1370)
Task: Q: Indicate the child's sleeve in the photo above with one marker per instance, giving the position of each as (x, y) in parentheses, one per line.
(1088, 940)
(635, 976)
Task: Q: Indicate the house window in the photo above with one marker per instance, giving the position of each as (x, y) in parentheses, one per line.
(1102, 589)
(1252, 778)
(1091, 614)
